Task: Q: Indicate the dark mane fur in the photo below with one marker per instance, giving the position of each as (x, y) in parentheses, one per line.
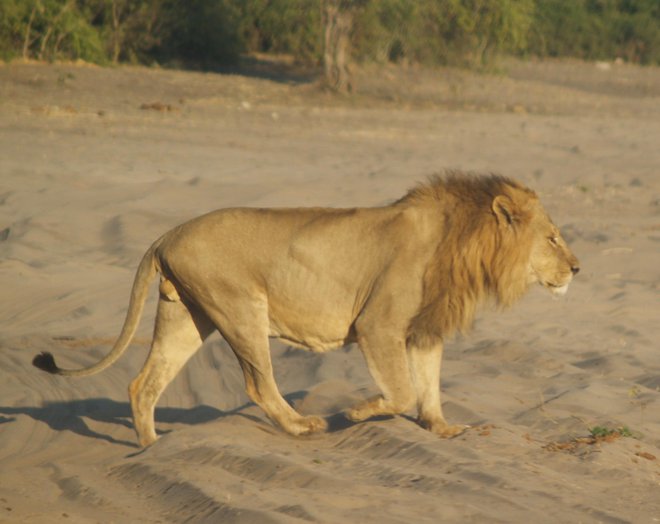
(477, 257)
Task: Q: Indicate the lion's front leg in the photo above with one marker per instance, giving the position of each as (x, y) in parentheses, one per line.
(388, 364)
(425, 365)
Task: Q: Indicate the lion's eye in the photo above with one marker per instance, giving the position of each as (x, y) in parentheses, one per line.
(553, 240)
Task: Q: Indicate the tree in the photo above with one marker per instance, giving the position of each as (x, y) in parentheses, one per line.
(132, 29)
(338, 18)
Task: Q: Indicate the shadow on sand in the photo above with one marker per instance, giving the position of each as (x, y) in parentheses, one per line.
(70, 416)
(270, 68)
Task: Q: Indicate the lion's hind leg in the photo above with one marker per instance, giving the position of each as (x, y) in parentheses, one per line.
(425, 365)
(246, 331)
(179, 331)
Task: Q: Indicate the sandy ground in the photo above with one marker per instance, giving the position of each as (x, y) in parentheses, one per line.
(97, 163)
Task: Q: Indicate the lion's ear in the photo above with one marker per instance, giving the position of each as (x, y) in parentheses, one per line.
(504, 209)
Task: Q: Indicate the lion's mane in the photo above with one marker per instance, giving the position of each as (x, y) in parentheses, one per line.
(474, 260)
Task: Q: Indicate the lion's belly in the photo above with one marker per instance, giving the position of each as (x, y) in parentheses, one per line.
(310, 342)
(314, 326)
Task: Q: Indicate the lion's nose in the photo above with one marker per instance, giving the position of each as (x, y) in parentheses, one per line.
(575, 269)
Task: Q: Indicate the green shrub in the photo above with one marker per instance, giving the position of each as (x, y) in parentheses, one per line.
(207, 33)
(282, 27)
(456, 32)
(199, 33)
(597, 29)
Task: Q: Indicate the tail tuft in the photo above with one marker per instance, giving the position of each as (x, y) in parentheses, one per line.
(46, 362)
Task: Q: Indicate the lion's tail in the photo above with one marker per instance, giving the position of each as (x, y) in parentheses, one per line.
(145, 274)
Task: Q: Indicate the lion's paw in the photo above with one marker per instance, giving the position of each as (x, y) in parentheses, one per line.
(308, 425)
(360, 413)
(452, 430)
(366, 409)
(444, 430)
(356, 415)
(147, 440)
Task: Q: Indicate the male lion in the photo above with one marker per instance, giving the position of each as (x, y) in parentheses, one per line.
(397, 280)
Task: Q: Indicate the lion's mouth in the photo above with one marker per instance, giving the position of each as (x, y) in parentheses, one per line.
(557, 289)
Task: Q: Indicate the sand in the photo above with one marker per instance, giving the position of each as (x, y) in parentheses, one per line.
(97, 163)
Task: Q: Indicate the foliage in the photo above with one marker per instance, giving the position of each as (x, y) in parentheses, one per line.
(48, 30)
(598, 435)
(460, 32)
(199, 33)
(597, 29)
(603, 432)
(130, 29)
(208, 33)
(282, 27)
(12, 21)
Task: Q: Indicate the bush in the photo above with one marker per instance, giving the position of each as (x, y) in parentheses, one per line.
(597, 29)
(456, 32)
(48, 30)
(199, 33)
(282, 27)
(208, 33)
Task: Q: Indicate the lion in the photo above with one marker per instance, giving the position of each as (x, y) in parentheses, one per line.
(398, 280)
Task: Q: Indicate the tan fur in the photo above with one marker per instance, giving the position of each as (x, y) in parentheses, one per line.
(398, 280)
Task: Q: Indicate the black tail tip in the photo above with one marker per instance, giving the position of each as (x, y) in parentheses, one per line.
(46, 362)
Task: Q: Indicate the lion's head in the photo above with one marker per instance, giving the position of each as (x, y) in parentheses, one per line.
(551, 262)
(498, 240)
(525, 226)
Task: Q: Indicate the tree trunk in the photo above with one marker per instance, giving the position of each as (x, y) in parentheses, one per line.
(116, 33)
(52, 27)
(337, 22)
(28, 30)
